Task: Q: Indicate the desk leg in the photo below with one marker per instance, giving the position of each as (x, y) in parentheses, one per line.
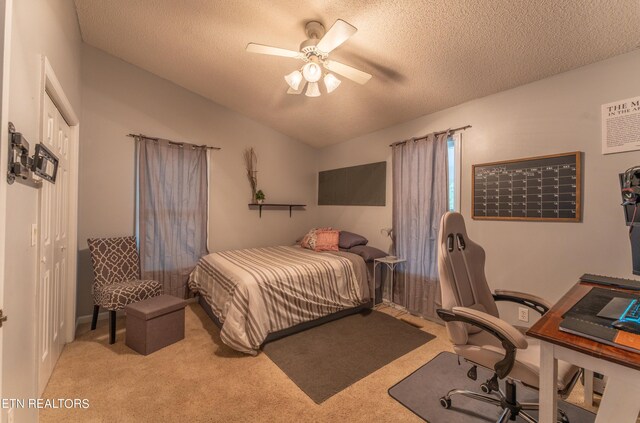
(620, 402)
(588, 387)
(548, 384)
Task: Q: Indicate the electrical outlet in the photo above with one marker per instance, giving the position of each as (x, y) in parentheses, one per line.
(10, 416)
(34, 234)
(523, 314)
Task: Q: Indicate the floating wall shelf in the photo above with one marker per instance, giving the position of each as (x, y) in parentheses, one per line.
(290, 206)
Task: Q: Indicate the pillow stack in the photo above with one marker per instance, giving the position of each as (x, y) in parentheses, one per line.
(329, 239)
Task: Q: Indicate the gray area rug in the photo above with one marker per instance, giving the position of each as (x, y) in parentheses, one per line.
(326, 359)
(420, 392)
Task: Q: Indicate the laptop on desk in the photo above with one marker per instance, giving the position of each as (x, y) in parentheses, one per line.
(606, 316)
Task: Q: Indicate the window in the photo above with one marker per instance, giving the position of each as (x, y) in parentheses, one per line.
(172, 189)
(454, 170)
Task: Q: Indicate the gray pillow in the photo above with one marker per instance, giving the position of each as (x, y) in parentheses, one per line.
(349, 239)
(367, 253)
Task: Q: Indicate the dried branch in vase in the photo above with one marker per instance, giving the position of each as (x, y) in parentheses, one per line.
(251, 163)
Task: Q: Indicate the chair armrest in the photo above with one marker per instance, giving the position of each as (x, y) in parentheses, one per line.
(533, 301)
(504, 329)
(510, 337)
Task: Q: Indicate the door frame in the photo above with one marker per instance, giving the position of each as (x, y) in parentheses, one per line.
(50, 85)
(6, 7)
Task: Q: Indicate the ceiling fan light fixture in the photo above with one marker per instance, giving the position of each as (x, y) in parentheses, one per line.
(312, 90)
(294, 79)
(312, 72)
(314, 51)
(331, 82)
(299, 90)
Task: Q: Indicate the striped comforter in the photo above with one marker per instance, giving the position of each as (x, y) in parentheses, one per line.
(257, 291)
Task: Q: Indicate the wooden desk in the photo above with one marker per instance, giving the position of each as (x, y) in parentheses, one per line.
(621, 399)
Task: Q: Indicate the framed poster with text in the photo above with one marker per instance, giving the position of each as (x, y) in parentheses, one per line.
(621, 126)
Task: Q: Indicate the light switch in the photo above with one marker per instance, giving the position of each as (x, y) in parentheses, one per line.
(34, 234)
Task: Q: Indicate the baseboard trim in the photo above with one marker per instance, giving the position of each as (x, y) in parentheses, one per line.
(105, 314)
(101, 316)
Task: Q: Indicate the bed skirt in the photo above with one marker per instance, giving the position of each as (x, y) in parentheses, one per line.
(294, 329)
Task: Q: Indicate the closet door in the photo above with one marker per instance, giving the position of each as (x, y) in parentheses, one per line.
(61, 236)
(53, 246)
(46, 275)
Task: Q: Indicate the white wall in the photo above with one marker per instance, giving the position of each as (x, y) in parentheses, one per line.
(554, 115)
(119, 98)
(39, 28)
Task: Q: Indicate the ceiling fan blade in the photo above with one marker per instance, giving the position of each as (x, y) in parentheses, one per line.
(299, 90)
(273, 51)
(347, 71)
(339, 32)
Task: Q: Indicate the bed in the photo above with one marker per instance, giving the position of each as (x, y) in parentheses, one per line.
(260, 294)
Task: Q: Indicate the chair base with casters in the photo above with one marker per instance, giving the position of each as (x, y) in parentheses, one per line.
(507, 400)
(491, 391)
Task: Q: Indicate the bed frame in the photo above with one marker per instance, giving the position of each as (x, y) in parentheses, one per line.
(293, 329)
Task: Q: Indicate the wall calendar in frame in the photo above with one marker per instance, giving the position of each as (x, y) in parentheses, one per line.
(544, 188)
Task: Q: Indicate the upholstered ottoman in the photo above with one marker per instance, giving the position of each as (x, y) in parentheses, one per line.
(154, 323)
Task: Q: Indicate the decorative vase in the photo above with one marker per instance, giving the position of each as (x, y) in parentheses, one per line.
(260, 201)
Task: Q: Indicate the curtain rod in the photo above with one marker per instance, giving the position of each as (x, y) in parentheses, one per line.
(462, 128)
(178, 144)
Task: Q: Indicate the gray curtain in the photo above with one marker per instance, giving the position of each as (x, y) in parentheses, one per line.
(172, 212)
(419, 201)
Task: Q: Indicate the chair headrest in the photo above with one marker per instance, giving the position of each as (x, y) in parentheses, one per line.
(452, 224)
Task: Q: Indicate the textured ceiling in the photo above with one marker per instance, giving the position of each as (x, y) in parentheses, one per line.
(424, 56)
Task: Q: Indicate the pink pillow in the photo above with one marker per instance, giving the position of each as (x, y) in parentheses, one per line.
(327, 240)
(309, 240)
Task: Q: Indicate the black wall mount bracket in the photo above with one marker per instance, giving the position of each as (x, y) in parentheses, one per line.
(22, 167)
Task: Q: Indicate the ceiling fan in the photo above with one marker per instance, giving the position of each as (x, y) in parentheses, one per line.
(314, 51)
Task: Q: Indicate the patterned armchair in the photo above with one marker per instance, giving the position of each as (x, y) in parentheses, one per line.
(116, 271)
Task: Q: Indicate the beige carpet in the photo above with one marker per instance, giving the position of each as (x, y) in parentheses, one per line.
(199, 379)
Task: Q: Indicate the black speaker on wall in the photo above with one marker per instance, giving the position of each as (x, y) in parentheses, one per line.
(364, 185)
